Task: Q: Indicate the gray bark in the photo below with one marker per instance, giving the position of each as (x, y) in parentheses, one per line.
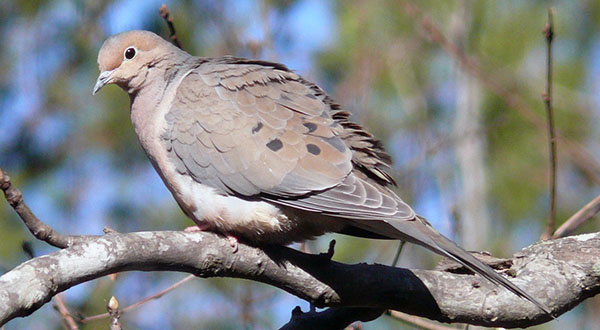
(560, 273)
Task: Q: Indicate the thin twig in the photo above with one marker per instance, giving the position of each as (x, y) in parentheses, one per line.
(581, 216)
(331, 318)
(141, 302)
(397, 256)
(64, 312)
(166, 15)
(40, 230)
(547, 96)
(418, 321)
(246, 305)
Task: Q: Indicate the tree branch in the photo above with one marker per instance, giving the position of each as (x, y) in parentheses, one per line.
(332, 318)
(419, 322)
(139, 303)
(40, 230)
(577, 219)
(61, 307)
(547, 97)
(560, 273)
(166, 15)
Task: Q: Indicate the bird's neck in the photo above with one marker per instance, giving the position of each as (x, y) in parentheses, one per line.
(149, 104)
(144, 105)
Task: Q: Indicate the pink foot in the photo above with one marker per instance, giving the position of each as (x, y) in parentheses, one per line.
(233, 242)
(193, 229)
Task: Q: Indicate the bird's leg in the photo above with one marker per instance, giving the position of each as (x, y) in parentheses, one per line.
(200, 226)
(192, 229)
(233, 241)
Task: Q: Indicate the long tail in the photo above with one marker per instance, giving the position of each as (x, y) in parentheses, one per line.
(420, 232)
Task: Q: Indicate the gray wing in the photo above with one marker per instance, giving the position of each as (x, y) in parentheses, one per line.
(255, 129)
(357, 198)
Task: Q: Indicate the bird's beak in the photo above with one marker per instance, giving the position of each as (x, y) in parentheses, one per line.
(103, 79)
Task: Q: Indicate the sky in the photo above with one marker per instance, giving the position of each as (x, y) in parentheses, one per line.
(39, 49)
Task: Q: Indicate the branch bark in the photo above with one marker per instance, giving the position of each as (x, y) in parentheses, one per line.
(560, 273)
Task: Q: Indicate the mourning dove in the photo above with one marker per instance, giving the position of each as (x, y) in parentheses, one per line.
(253, 151)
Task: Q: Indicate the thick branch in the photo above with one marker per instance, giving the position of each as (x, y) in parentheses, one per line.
(560, 273)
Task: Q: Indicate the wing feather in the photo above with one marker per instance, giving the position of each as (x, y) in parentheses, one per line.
(217, 120)
(255, 128)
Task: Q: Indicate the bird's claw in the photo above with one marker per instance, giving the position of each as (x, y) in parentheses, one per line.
(233, 242)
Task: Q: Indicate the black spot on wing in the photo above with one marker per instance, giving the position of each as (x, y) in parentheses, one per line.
(275, 144)
(257, 128)
(311, 127)
(313, 149)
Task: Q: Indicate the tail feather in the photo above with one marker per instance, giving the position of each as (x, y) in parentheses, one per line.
(420, 232)
(448, 249)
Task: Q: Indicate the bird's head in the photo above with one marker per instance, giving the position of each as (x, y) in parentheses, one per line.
(126, 58)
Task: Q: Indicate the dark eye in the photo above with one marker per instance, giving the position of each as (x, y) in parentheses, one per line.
(130, 53)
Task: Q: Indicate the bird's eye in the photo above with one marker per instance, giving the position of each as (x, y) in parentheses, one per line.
(130, 53)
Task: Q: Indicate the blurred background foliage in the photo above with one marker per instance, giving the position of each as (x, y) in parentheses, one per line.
(469, 149)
